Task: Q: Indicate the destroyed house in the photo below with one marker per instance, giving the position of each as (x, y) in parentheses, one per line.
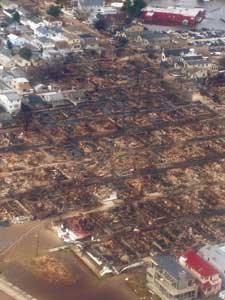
(71, 230)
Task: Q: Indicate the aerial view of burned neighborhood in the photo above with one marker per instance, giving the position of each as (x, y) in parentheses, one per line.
(112, 149)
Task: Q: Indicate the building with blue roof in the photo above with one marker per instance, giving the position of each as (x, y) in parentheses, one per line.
(169, 281)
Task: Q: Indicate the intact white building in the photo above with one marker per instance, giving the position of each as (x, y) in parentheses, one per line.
(107, 10)
(53, 98)
(51, 22)
(51, 55)
(103, 11)
(33, 24)
(44, 31)
(6, 4)
(43, 42)
(70, 234)
(66, 235)
(16, 40)
(21, 219)
(215, 255)
(10, 101)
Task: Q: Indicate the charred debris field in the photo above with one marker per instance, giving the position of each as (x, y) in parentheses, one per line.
(131, 134)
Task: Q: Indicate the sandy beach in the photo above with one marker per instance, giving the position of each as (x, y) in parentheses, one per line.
(4, 296)
(86, 287)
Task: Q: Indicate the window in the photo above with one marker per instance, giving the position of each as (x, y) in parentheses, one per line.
(189, 282)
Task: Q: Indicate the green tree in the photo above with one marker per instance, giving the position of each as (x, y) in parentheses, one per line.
(127, 7)
(133, 10)
(121, 44)
(101, 23)
(25, 53)
(16, 17)
(54, 10)
(9, 45)
(138, 6)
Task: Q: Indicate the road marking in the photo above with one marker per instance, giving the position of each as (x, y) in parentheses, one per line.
(24, 235)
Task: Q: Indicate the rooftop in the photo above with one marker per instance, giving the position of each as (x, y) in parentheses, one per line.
(176, 52)
(21, 80)
(197, 263)
(76, 226)
(189, 12)
(214, 253)
(198, 62)
(192, 57)
(86, 35)
(171, 266)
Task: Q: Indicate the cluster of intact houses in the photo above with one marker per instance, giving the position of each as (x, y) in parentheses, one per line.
(47, 38)
(191, 275)
(189, 63)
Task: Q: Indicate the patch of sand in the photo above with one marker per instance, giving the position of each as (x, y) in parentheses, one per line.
(51, 269)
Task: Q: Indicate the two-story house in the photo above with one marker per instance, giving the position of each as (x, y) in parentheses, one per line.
(200, 64)
(52, 22)
(208, 277)
(169, 281)
(10, 101)
(171, 56)
(195, 66)
(21, 85)
(215, 255)
(147, 37)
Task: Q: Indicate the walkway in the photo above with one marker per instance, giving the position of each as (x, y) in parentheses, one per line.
(13, 291)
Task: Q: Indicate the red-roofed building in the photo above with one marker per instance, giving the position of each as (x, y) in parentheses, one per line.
(207, 276)
(72, 229)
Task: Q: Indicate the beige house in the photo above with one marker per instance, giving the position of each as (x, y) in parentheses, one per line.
(201, 64)
(197, 74)
(21, 85)
(6, 61)
(7, 4)
(169, 281)
(19, 61)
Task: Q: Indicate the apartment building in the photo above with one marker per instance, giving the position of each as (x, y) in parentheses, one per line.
(169, 281)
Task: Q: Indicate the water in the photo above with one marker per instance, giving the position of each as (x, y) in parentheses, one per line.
(215, 9)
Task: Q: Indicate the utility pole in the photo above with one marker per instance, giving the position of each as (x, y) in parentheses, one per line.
(37, 236)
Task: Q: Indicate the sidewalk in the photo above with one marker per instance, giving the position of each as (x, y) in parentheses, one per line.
(13, 291)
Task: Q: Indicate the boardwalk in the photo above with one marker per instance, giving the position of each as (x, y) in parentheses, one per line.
(13, 292)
